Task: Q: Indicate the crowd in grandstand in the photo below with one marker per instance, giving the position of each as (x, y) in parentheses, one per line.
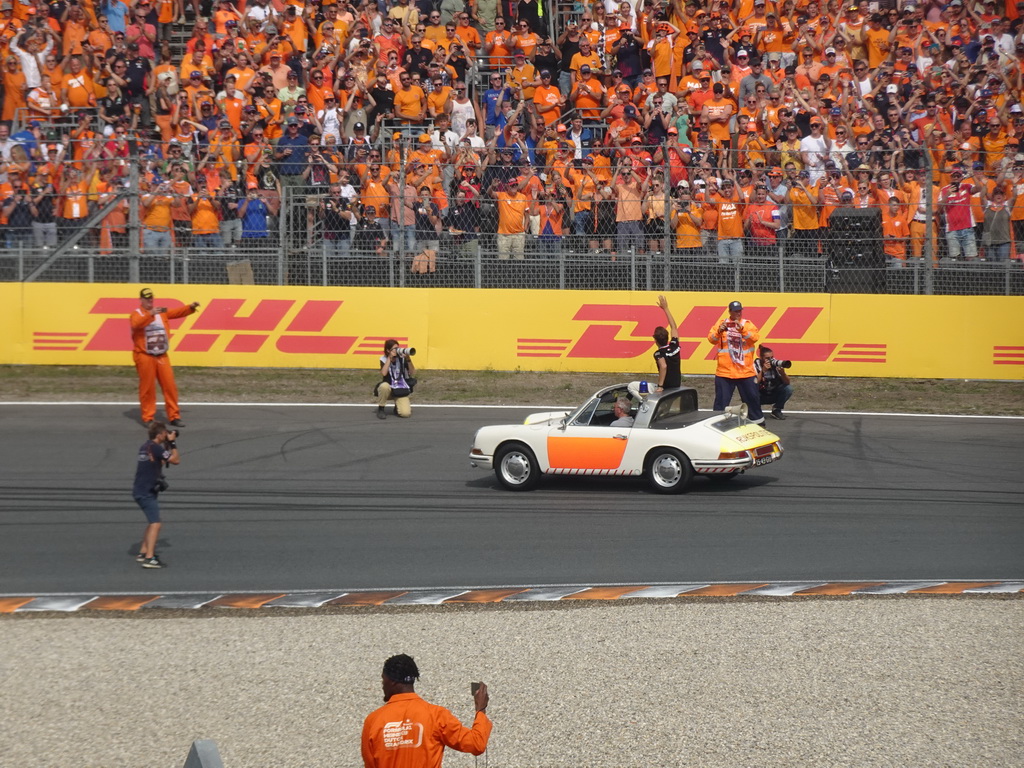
(692, 127)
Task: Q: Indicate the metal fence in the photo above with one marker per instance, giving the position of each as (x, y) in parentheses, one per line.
(563, 242)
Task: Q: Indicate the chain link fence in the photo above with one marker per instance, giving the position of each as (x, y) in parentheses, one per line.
(597, 217)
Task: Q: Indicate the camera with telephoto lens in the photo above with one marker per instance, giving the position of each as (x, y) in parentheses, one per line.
(782, 363)
(405, 351)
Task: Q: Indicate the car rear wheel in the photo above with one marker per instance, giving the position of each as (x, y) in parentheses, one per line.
(668, 470)
(516, 467)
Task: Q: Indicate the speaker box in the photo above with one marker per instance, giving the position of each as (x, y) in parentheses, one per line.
(856, 259)
(855, 238)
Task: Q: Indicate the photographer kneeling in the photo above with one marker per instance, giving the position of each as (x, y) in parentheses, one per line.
(397, 371)
(773, 381)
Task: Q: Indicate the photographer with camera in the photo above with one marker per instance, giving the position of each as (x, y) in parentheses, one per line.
(735, 338)
(773, 381)
(397, 372)
(159, 451)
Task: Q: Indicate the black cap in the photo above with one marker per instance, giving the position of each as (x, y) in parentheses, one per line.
(358, 127)
(146, 293)
(735, 306)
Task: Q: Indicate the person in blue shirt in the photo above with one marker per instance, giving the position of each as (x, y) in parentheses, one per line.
(159, 451)
(290, 154)
(253, 213)
(29, 137)
(115, 11)
(492, 111)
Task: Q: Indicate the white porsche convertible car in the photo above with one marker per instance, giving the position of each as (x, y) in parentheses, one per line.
(668, 444)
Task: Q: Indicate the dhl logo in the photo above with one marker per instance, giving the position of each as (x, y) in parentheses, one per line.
(623, 331)
(1008, 355)
(296, 327)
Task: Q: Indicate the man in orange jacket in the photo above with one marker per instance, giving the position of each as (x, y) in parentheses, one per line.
(736, 339)
(408, 732)
(149, 348)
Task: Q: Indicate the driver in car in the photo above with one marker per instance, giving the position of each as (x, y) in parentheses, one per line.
(622, 417)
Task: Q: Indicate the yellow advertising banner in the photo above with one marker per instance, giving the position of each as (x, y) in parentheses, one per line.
(462, 329)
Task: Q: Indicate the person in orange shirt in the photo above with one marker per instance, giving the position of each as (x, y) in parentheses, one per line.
(588, 96)
(585, 57)
(660, 49)
(498, 45)
(408, 731)
(150, 341)
(729, 203)
(410, 101)
(735, 340)
(804, 202)
(512, 206)
(686, 219)
(205, 221)
(896, 231)
(877, 41)
(78, 89)
(715, 115)
(157, 220)
(548, 100)
(74, 208)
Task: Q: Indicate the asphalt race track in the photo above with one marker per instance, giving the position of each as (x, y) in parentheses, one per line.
(323, 498)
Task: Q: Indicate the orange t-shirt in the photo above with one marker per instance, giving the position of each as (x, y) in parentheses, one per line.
(204, 218)
(805, 213)
(719, 131)
(376, 194)
(730, 217)
(511, 212)
(158, 211)
(408, 731)
(81, 90)
(409, 101)
(896, 231)
(545, 96)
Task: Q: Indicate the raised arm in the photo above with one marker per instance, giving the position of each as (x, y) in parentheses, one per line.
(673, 332)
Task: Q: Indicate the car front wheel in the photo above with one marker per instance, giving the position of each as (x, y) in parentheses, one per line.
(516, 468)
(668, 470)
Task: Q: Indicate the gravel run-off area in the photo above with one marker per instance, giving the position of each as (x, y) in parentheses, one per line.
(907, 681)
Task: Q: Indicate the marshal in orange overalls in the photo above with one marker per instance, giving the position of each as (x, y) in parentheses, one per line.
(149, 348)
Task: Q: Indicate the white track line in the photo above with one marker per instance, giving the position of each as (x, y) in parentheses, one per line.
(79, 403)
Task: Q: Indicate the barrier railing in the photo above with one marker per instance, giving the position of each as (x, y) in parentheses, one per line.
(563, 214)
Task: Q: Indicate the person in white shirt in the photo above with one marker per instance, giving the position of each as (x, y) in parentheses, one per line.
(27, 49)
(329, 118)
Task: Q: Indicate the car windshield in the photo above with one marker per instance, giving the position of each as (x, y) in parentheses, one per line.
(600, 411)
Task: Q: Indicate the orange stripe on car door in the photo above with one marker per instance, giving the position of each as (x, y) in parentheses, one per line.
(585, 452)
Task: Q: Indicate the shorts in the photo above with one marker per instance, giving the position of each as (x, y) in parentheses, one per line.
(150, 506)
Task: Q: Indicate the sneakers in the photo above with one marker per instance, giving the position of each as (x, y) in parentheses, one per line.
(152, 562)
(148, 424)
(176, 423)
(380, 413)
(777, 414)
(140, 558)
